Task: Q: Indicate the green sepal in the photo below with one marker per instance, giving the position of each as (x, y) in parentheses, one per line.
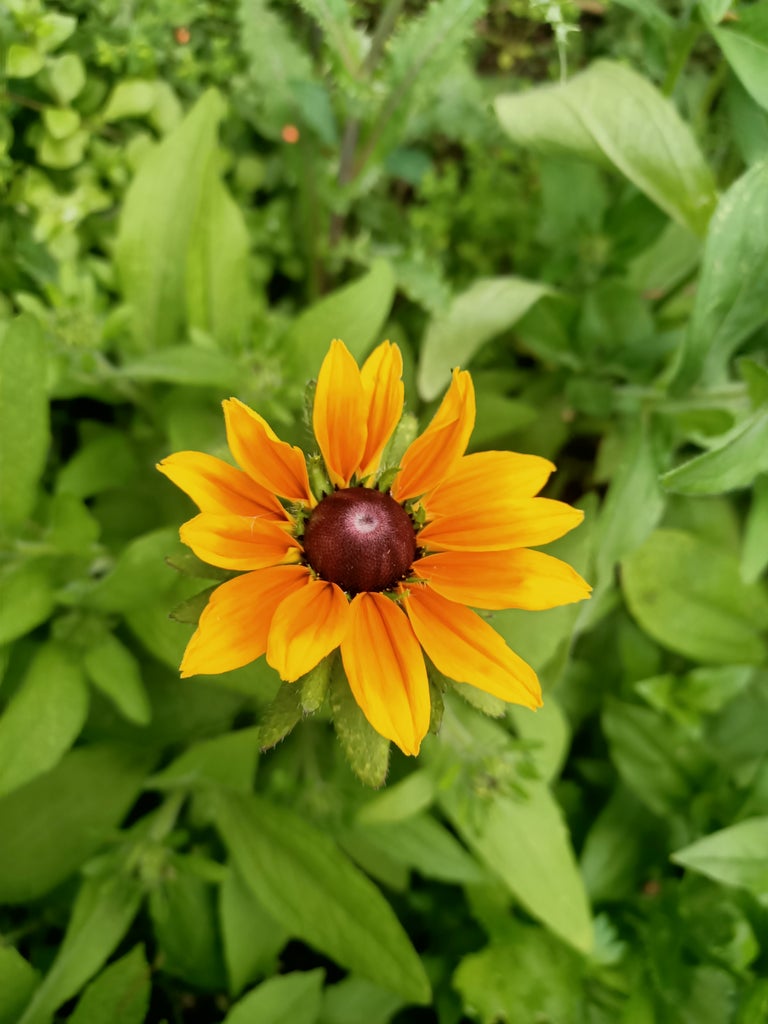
(189, 564)
(366, 751)
(319, 482)
(314, 685)
(191, 609)
(280, 716)
(402, 436)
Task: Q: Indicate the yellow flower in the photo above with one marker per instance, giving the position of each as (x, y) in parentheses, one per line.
(382, 574)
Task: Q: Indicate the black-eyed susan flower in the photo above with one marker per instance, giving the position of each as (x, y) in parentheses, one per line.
(385, 563)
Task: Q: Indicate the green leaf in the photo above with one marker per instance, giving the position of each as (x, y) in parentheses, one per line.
(60, 123)
(302, 878)
(102, 913)
(730, 298)
(355, 313)
(18, 981)
(120, 994)
(715, 9)
(23, 418)
(251, 937)
(115, 671)
(744, 42)
(280, 715)
(186, 364)
(22, 61)
(754, 553)
(294, 997)
(43, 719)
(106, 462)
(159, 214)
(731, 464)
(734, 856)
(689, 596)
(54, 823)
(366, 751)
(526, 976)
(426, 846)
(618, 848)
(406, 798)
(354, 999)
(66, 77)
(132, 97)
(228, 760)
(615, 116)
(26, 599)
(487, 308)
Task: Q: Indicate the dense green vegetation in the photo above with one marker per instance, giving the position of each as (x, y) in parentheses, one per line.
(570, 199)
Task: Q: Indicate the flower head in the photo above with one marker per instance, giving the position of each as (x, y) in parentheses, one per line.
(385, 562)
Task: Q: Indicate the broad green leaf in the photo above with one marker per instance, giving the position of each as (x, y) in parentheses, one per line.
(410, 796)
(354, 313)
(66, 77)
(18, 981)
(689, 596)
(44, 717)
(754, 553)
(54, 823)
(715, 9)
(730, 299)
(139, 573)
(186, 364)
(618, 847)
(115, 671)
(120, 994)
(158, 217)
(103, 911)
(304, 880)
(26, 599)
(218, 284)
(61, 154)
(131, 97)
(520, 978)
(613, 115)
(251, 937)
(354, 999)
(228, 760)
(60, 123)
(23, 418)
(744, 42)
(184, 921)
(487, 308)
(366, 751)
(547, 732)
(23, 61)
(294, 997)
(731, 464)
(106, 462)
(734, 856)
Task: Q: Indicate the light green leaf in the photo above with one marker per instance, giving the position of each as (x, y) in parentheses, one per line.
(23, 418)
(548, 733)
(615, 116)
(26, 599)
(120, 994)
(334, 17)
(730, 297)
(159, 214)
(103, 911)
(18, 981)
(689, 596)
(731, 464)
(715, 9)
(304, 880)
(62, 153)
(54, 823)
(107, 461)
(228, 760)
(406, 798)
(186, 364)
(22, 61)
(354, 999)
(744, 42)
(66, 77)
(354, 313)
(487, 308)
(44, 717)
(61, 122)
(294, 997)
(115, 671)
(53, 28)
(734, 856)
(754, 553)
(131, 97)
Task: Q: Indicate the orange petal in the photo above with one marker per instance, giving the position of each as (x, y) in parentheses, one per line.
(465, 648)
(339, 414)
(496, 523)
(432, 455)
(234, 626)
(383, 389)
(306, 627)
(239, 542)
(215, 486)
(486, 473)
(502, 579)
(386, 672)
(269, 461)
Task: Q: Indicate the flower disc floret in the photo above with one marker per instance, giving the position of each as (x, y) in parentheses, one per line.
(360, 539)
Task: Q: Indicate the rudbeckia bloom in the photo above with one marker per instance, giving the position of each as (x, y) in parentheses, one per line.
(385, 562)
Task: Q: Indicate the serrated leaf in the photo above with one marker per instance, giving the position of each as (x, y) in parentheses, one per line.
(615, 116)
(304, 880)
(487, 308)
(689, 596)
(280, 716)
(366, 751)
(23, 418)
(43, 719)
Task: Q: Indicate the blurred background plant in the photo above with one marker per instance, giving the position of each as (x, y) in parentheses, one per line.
(569, 198)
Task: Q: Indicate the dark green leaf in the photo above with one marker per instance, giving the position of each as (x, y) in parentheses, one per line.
(18, 981)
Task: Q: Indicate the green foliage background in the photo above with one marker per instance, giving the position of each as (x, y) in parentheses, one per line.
(570, 199)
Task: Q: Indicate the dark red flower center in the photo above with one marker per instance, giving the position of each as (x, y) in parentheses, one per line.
(360, 539)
